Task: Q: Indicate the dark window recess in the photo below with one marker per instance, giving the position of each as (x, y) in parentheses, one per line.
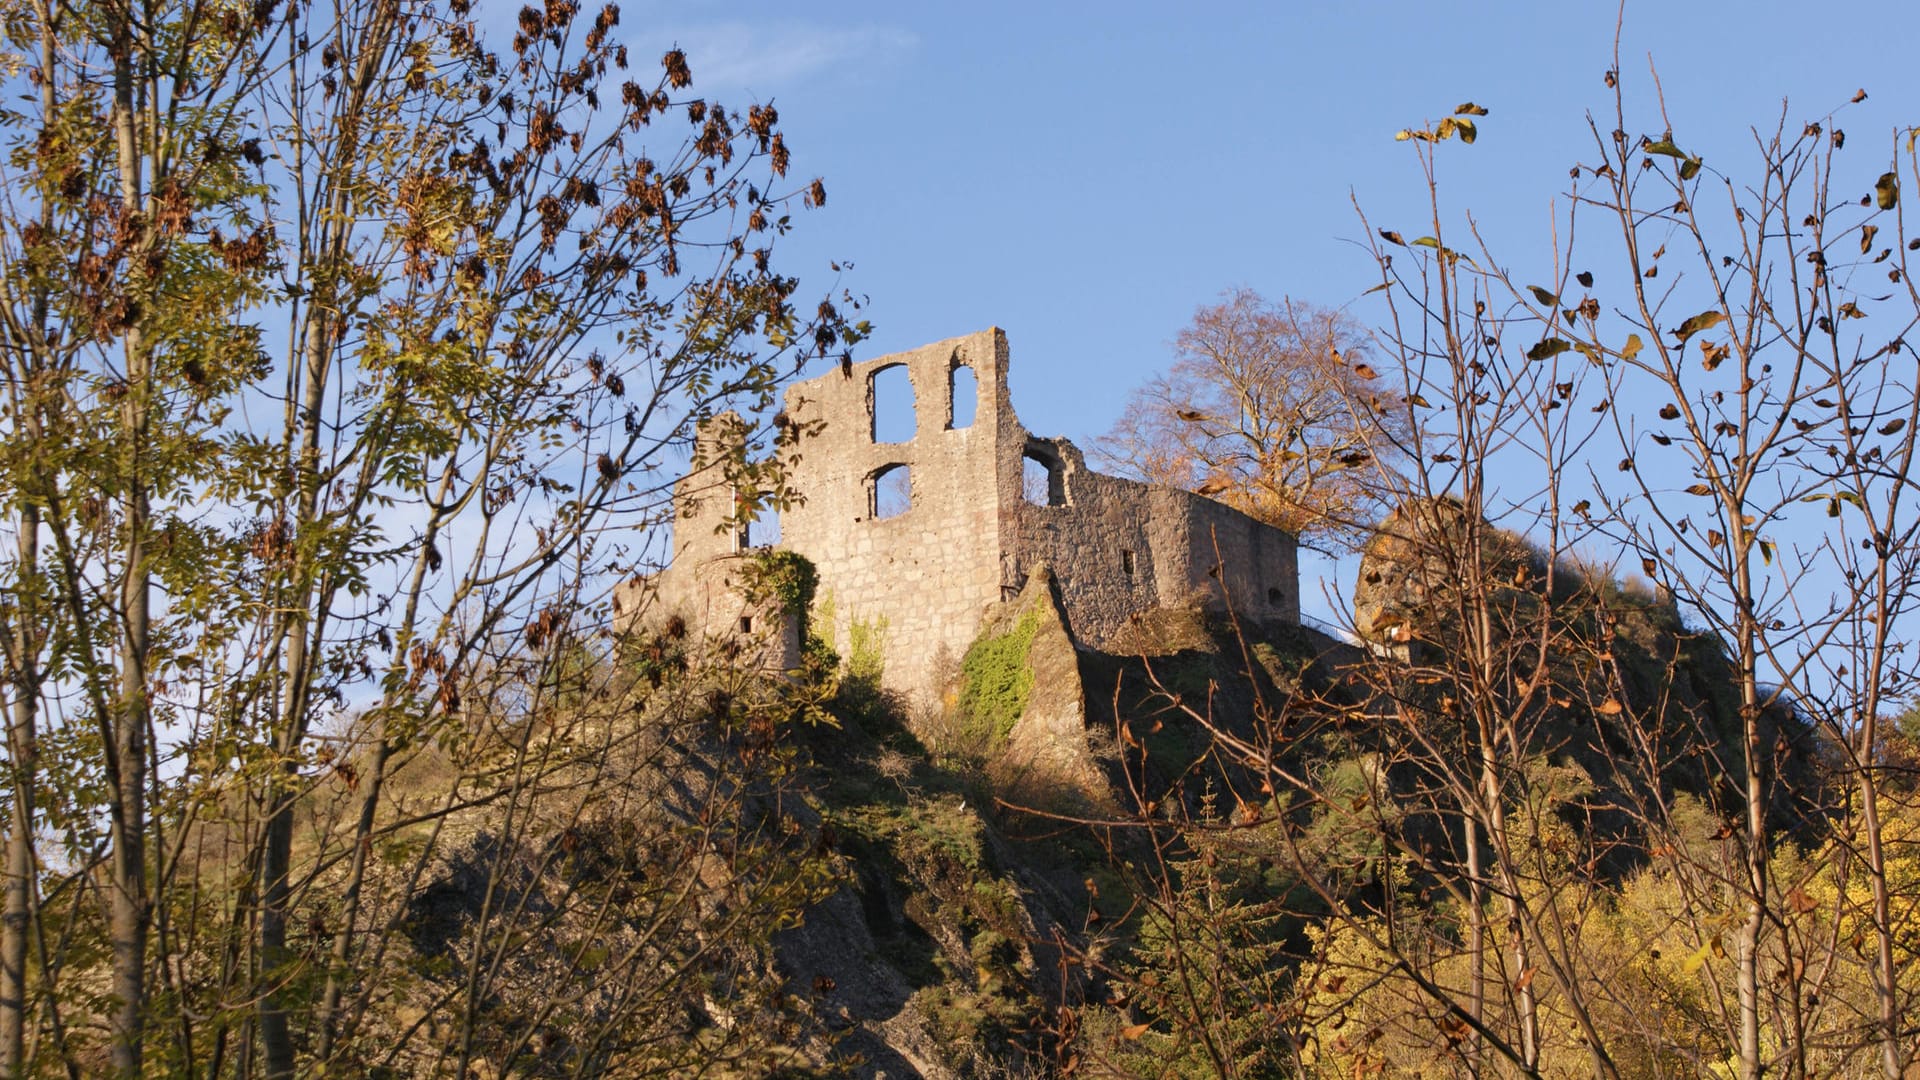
(890, 404)
(963, 396)
(1126, 562)
(890, 492)
(746, 624)
(1273, 597)
(1042, 481)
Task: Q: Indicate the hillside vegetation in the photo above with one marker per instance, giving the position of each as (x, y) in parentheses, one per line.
(354, 358)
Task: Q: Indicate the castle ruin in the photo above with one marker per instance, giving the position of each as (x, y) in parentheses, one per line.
(915, 541)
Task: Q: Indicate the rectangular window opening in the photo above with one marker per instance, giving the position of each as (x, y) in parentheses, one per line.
(746, 624)
(1126, 562)
(890, 404)
(1043, 481)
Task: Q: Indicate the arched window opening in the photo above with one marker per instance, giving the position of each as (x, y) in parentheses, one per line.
(1042, 481)
(1275, 596)
(890, 404)
(963, 397)
(889, 492)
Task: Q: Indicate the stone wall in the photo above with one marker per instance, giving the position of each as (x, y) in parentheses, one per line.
(1118, 547)
(703, 583)
(923, 579)
(1260, 563)
(917, 574)
(920, 579)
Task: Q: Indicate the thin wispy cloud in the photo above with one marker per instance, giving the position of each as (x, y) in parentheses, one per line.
(761, 58)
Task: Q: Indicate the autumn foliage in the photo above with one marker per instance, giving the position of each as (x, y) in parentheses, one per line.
(1272, 408)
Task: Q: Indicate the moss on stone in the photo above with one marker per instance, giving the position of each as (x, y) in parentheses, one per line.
(786, 577)
(867, 649)
(817, 644)
(996, 679)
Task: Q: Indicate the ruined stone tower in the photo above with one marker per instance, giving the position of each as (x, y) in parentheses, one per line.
(704, 584)
(915, 540)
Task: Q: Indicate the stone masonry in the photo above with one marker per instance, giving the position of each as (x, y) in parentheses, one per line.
(915, 541)
(703, 584)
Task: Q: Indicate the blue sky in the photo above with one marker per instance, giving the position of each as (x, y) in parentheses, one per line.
(1085, 175)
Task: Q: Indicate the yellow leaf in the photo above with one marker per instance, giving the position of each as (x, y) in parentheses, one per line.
(1549, 348)
(1706, 320)
(1698, 958)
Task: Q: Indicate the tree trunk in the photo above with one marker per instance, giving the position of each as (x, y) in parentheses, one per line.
(309, 609)
(1886, 986)
(127, 916)
(22, 758)
(1476, 948)
(1747, 951)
